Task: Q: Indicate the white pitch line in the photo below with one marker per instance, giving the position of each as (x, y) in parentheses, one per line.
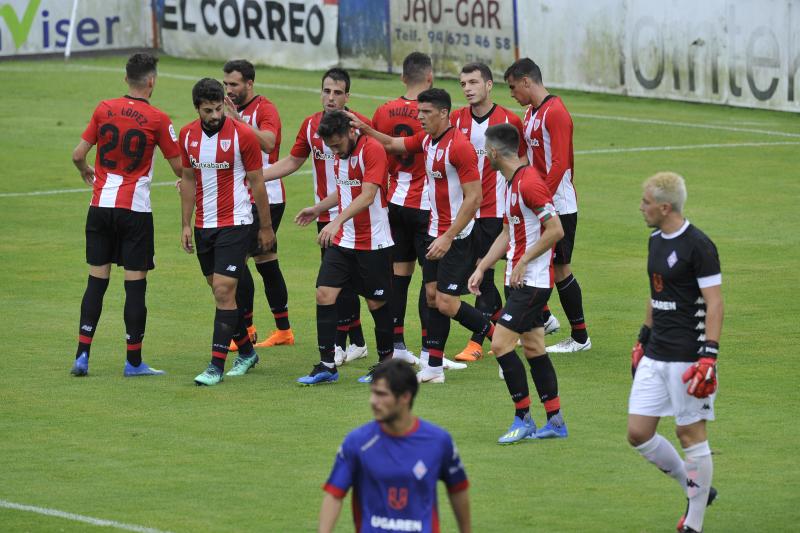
(294, 88)
(682, 147)
(100, 522)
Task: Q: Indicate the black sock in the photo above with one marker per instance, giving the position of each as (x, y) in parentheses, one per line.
(424, 312)
(242, 337)
(135, 313)
(438, 331)
(569, 292)
(473, 320)
(326, 332)
(276, 292)
(91, 308)
(343, 316)
(398, 305)
(225, 322)
(516, 381)
(488, 302)
(546, 314)
(355, 332)
(245, 294)
(383, 332)
(546, 382)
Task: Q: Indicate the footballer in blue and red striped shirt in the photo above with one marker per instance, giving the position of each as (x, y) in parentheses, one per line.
(394, 462)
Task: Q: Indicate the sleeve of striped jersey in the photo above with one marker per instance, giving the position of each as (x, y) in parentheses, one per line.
(375, 165)
(167, 140)
(464, 158)
(414, 142)
(182, 147)
(343, 472)
(705, 262)
(517, 123)
(269, 119)
(90, 133)
(559, 127)
(301, 147)
(250, 149)
(535, 195)
(452, 471)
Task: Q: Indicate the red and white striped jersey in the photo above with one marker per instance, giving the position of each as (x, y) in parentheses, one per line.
(263, 114)
(369, 229)
(493, 183)
(126, 131)
(450, 161)
(528, 206)
(408, 183)
(220, 164)
(548, 132)
(309, 143)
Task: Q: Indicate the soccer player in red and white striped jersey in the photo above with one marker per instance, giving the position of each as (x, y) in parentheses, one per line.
(221, 158)
(454, 190)
(242, 104)
(119, 225)
(409, 206)
(335, 94)
(531, 229)
(473, 120)
(548, 133)
(358, 239)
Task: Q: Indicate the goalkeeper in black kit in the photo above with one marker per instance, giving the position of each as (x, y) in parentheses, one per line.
(675, 359)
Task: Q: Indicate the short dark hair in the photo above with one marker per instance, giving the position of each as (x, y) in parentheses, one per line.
(483, 68)
(505, 138)
(399, 376)
(338, 74)
(416, 66)
(438, 97)
(207, 90)
(140, 66)
(333, 123)
(243, 66)
(524, 68)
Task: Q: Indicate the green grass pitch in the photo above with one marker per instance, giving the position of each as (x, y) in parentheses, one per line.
(251, 454)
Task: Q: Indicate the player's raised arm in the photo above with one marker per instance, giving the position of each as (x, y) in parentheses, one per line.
(393, 145)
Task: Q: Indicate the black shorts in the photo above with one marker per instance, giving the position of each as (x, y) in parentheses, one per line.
(563, 255)
(484, 234)
(452, 271)
(321, 225)
(222, 250)
(409, 233)
(523, 309)
(276, 214)
(366, 272)
(121, 236)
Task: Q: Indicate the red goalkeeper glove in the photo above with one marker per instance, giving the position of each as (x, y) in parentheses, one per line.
(638, 350)
(702, 376)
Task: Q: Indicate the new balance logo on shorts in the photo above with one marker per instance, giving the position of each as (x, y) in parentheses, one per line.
(379, 292)
(231, 268)
(452, 287)
(506, 317)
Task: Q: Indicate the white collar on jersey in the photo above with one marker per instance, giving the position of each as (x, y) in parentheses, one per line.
(677, 233)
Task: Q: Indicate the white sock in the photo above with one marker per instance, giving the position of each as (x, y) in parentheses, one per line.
(699, 470)
(663, 454)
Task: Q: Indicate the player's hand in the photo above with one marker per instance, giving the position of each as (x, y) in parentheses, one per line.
(186, 240)
(88, 175)
(638, 350)
(178, 185)
(474, 282)
(439, 247)
(517, 278)
(231, 109)
(266, 239)
(355, 122)
(325, 237)
(701, 377)
(305, 216)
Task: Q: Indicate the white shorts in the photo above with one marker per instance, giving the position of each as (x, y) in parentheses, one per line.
(658, 390)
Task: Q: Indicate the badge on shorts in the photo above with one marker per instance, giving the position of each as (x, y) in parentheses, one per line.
(225, 144)
(439, 154)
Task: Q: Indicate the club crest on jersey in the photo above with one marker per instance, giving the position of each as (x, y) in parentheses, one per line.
(672, 259)
(225, 144)
(420, 470)
(439, 154)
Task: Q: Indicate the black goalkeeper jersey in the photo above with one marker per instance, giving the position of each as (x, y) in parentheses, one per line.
(678, 266)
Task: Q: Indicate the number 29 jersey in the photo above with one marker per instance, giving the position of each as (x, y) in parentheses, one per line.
(126, 131)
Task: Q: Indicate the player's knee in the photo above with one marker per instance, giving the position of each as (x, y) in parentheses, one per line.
(326, 295)
(265, 258)
(224, 294)
(638, 436)
(446, 304)
(561, 272)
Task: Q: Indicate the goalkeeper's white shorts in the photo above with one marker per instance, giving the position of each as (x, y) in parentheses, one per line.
(658, 390)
